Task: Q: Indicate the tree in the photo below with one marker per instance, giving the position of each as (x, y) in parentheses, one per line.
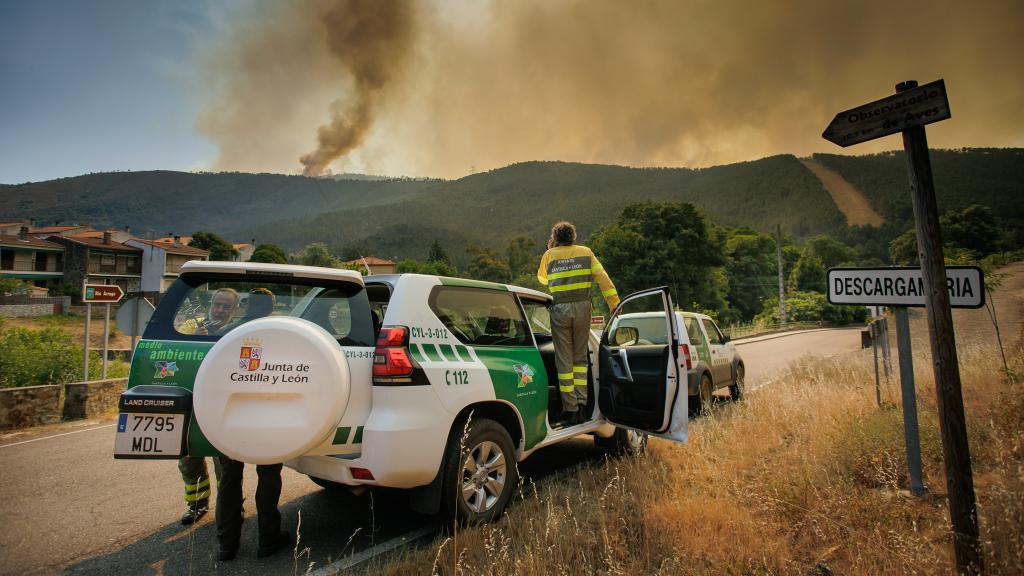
(437, 253)
(974, 228)
(487, 264)
(829, 252)
(809, 275)
(971, 233)
(656, 244)
(434, 267)
(219, 248)
(269, 253)
(752, 269)
(317, 254)
(810, 307)
(903, 249)
(521, 257)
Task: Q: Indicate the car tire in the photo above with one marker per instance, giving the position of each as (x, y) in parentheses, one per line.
(705, 394)
(480, 472)
(623, 442)
(738, 387)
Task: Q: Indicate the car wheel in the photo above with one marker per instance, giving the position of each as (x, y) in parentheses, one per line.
(706, 394)
(623, 442)
(739, 383)
(480, 472)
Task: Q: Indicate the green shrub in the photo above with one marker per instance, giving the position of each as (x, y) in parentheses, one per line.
(48, 356)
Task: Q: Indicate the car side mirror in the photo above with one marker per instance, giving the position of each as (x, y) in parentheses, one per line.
(725, 339)
(626, 335)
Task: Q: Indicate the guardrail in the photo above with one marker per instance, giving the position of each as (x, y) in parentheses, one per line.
(736, 331)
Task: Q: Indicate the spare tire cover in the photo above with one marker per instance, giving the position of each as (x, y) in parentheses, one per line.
(271, 389)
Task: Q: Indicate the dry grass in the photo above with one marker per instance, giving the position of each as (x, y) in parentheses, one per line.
(804, 477)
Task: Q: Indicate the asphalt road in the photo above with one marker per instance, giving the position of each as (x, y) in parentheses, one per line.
(68, 507)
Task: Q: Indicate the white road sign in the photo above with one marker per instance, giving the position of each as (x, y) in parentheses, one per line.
(903, 286)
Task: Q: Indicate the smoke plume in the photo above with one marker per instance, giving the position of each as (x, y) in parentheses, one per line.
(371, 39)
(446, 87)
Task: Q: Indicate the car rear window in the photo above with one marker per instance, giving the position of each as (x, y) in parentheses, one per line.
(209, 306)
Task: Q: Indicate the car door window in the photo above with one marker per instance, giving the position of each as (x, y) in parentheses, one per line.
(481, 317)
(693, 331)
(538, 316)
(714, 335)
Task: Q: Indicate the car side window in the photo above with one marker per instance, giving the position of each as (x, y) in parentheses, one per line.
(538, 315)
(481, 317)
(714, 335)
(693, 331)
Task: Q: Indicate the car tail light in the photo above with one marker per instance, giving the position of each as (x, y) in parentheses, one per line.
(684, 351)
(391, 358)
(361, 474)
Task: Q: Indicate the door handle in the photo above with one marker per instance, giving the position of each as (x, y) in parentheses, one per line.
(625, 364)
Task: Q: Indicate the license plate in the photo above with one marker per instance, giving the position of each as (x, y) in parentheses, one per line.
(149, 435)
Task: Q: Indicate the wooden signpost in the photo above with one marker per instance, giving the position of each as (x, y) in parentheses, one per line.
(98, 294)
(908, 111)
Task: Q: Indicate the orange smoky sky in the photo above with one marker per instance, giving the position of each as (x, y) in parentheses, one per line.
(446, 87)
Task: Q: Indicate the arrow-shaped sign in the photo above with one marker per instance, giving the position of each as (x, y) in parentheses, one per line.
(915, 107)
(93, 293)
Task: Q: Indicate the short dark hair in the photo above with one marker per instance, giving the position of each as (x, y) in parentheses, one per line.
(563, 234)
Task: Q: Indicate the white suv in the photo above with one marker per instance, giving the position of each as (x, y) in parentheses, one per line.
(437, 385)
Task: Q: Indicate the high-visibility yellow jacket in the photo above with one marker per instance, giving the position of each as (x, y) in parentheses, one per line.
(570, 271)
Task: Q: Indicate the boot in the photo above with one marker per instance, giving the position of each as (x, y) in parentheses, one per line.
(194, 512)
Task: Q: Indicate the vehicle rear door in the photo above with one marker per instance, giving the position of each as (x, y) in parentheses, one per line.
(640, 387)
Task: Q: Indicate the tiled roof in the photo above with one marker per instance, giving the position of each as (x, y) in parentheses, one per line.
(13, 240)
(97, 243)
(372, 261)
(53, 229)
(188, 250)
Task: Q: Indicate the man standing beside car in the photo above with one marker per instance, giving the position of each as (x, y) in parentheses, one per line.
(570, 270)
(193, 470)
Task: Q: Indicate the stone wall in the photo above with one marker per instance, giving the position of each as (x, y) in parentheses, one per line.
(92, 399)
(25, 307)
(38, 405)
(30, 406)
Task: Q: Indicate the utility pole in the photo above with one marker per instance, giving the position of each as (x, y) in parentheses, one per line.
(782, 284)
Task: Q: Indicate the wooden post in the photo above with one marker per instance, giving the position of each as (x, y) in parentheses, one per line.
(106, 341)
(957, 456)
(85, 347)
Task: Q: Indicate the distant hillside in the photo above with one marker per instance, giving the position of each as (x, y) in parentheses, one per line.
(992, 177)
(231, 203)
(527, 198)
(401, 217)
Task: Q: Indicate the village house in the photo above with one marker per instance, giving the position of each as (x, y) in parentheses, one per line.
(25, 257)
(161, 262)
(100, 261)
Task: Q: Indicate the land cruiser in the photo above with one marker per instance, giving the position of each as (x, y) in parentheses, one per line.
(432, 384)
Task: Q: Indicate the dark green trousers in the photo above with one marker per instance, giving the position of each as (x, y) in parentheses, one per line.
(229, 503)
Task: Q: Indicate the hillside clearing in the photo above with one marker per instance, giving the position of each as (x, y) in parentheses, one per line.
(848, 198)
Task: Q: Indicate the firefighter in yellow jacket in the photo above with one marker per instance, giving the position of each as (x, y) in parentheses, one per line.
(570, 270)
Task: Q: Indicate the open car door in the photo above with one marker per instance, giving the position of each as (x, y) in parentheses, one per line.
(640, 376)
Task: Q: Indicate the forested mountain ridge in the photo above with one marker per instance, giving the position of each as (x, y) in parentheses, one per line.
(185, 202)
(992, 177)
(400, 218)
(526, 198)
